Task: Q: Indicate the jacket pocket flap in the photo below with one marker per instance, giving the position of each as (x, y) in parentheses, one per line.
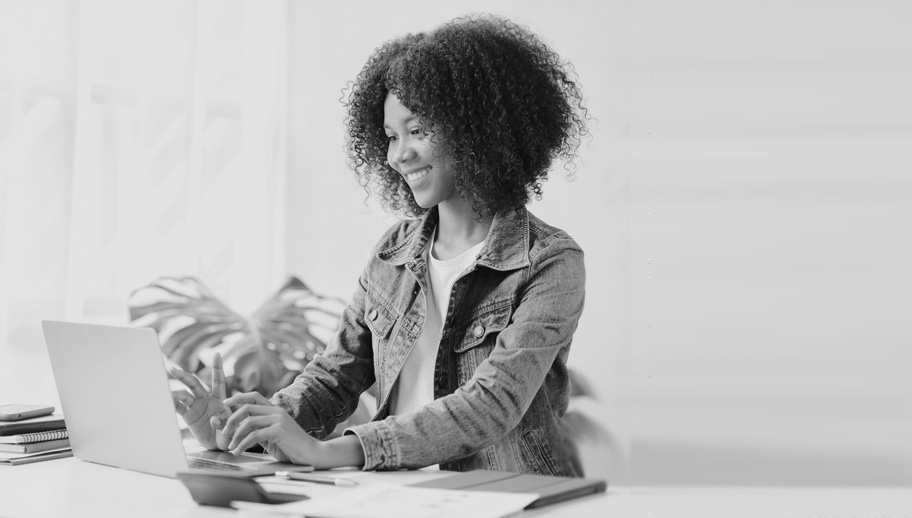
(478, 328)
(378, 318)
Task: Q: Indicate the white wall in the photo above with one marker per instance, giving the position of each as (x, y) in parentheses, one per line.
(743, 205)
(770, 244)
(130, 133)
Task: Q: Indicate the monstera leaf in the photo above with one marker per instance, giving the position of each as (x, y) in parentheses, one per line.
(262, 352)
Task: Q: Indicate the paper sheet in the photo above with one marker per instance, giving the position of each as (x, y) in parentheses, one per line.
(391, 501)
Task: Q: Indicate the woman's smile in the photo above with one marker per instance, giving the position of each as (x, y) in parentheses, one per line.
(414, 176)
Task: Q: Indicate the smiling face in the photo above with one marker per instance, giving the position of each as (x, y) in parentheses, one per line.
(411, 154)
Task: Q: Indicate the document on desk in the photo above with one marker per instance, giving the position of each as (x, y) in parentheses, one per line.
(391, 501)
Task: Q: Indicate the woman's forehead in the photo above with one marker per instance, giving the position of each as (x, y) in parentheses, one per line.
(394, 112)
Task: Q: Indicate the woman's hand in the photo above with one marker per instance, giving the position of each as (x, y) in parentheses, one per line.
(204, 411)
(257, 420)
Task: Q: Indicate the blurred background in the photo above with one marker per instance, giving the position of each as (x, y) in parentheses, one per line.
(745, 204)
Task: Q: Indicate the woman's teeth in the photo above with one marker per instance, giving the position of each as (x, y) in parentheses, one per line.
(417, 175)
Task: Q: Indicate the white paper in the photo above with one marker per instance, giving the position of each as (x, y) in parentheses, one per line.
(390, 501)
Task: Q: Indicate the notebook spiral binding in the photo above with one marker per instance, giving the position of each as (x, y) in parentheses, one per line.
(50, 435)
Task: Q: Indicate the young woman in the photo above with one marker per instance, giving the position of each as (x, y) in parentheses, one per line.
(466, 310)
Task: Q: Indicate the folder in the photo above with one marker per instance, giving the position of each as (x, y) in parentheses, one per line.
(35, 424)
(15, 459)
(549, 489)
(35, 447)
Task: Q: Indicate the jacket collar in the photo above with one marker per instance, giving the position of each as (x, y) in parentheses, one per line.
(505, 248)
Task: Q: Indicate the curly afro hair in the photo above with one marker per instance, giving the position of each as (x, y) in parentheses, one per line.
(501, 105)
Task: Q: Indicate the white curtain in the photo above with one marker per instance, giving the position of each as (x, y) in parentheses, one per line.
(137, 139)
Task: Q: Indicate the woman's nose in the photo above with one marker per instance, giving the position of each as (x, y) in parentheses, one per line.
(403, 153)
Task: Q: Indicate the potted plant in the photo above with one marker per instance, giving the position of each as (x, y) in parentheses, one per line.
(263, 352)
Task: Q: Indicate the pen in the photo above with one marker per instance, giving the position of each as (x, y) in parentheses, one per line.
(319, 479)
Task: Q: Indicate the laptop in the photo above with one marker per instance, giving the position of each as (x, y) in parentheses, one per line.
(116, 399)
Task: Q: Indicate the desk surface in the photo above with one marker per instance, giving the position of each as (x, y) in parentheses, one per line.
(70, 487)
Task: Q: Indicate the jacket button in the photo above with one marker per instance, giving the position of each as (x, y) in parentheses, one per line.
(441, 382)
(372, 315)
(478, 331)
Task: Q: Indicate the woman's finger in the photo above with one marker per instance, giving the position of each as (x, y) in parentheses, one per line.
(244, 412)
(248, 426)
(255, 437)
(191, 381)
(218, 377)
(253, 398)
(182, 400)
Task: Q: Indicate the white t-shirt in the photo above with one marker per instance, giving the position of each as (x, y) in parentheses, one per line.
(415, 387)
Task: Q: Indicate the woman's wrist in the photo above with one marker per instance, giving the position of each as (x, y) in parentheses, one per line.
(341, 452)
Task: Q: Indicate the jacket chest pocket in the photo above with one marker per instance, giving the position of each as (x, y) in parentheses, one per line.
(378, 318)
(380, 321)
(475, 339)
(392, 336)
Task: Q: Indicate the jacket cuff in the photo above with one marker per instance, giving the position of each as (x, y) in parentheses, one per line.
(381, 451)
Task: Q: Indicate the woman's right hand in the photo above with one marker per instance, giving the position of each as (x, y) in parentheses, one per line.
(204, 410)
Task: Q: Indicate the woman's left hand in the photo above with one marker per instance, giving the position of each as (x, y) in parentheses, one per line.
(257, 420)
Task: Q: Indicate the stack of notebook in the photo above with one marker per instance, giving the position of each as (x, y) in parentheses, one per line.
(33, 440)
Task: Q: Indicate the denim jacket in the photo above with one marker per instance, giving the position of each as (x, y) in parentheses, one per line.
(500, 380)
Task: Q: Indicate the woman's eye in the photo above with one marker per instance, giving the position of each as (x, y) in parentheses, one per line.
(390, 138)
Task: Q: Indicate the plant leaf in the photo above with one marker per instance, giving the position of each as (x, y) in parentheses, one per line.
(267, 349)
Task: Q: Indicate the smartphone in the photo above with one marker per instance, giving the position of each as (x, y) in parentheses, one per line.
(19, 412)
(221, 490)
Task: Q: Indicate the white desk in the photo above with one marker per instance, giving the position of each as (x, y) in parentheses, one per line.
(70, 487)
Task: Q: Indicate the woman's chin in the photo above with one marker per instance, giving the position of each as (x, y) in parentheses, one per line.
(425, 202)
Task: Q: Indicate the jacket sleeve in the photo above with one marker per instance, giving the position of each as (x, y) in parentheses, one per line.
(328, 390)
(494, 400)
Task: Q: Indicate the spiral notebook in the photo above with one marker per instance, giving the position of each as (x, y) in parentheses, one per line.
(28, 438)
